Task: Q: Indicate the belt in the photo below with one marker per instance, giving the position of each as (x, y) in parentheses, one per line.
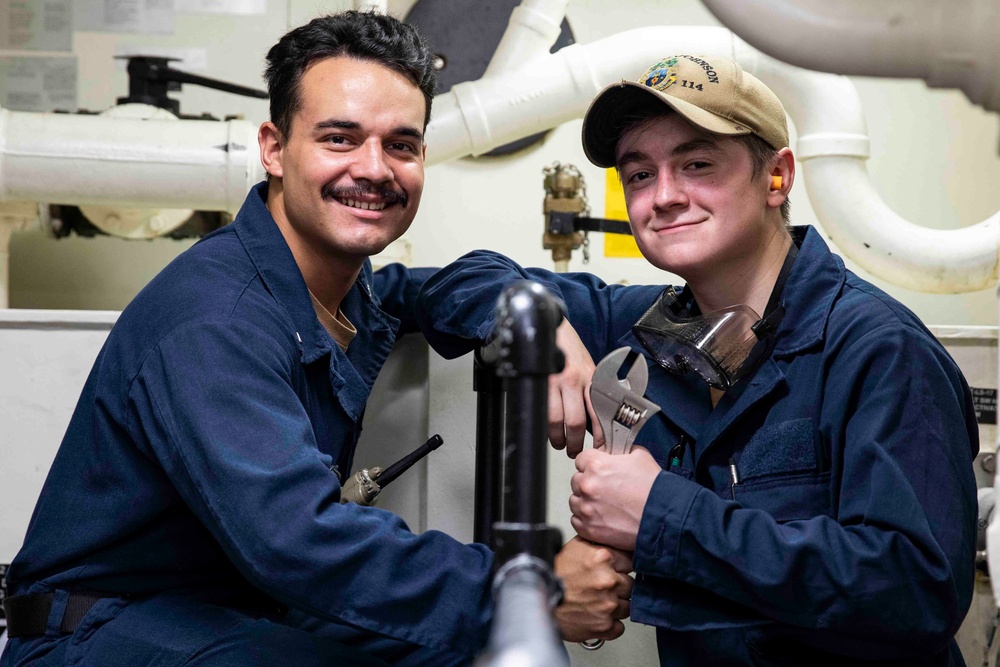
(28, 615)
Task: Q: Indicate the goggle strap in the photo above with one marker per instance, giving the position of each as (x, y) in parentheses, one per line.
(775, 309)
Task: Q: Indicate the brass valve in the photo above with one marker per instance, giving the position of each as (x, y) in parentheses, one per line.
(565, 192)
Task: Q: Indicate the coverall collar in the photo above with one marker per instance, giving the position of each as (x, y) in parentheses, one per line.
(815, 281)
(276, 265)
(813, 285)
(352, 374)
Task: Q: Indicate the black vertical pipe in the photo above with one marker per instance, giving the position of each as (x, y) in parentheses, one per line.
(489, 446)
(525, 477)
(524, 630)
(527, 318)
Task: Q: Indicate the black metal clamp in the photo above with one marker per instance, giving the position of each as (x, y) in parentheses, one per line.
(150, 77)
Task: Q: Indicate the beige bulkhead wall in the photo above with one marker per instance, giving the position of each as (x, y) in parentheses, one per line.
(934, 161)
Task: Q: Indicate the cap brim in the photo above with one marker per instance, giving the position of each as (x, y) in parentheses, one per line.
(609, 114)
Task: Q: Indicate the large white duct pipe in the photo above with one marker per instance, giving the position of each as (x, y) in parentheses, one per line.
(80, 159)
(475, 117)
(948, 44)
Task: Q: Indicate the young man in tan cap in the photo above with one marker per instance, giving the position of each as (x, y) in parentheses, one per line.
(805, 495)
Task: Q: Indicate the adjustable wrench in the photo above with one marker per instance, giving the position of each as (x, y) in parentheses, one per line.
(620, 405)
(622, 411)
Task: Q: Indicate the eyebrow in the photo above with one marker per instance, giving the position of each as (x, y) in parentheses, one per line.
(334, 124)
(699, 143)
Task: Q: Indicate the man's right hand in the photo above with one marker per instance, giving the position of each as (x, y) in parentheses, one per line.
(597, 591)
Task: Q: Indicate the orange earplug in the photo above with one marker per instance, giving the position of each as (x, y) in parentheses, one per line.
(776, 182)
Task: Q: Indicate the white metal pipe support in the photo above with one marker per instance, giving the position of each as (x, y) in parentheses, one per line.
(80, 159)
(533, 28)
(948, 44)
(477, 116)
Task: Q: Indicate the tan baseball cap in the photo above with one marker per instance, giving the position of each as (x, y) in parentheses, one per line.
(710, 92)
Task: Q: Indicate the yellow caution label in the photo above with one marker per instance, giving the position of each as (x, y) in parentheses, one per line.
(617, 245)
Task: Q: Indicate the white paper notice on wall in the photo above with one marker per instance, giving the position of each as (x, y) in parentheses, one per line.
(246, 7)
(140, 16)
(36, 25)
(38, 83)
(193, 59)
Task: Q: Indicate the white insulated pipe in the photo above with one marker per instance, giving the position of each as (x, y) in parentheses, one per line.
(79, 159)
(210, 165)
(832, 149)
(380, 6)
(533, 28)
(948, 44)
(475, 117)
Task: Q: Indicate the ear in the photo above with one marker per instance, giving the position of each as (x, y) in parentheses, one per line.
(780, 178)
(270, 140)
(424, 152)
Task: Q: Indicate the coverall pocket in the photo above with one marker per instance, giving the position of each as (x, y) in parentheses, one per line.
(781, 472)
(781, 449)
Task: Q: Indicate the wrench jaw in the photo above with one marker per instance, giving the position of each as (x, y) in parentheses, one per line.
(638, 377)
(621, 408)
(606, 374)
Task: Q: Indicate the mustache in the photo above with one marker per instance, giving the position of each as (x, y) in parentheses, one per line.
(361, 189)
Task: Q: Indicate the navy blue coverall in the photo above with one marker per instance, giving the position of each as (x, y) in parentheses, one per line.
(849, 538)
(197, 484)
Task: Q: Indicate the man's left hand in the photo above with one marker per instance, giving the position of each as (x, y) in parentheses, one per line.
(609, 495)
(569, 393)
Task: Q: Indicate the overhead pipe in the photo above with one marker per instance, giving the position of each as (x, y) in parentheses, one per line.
(83, 159)
(533, 28)
(947, 44)
(476, 116)
(379, 6)
(210, 165)
(832, 150)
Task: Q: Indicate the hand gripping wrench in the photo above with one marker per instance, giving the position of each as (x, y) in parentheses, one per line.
(622, 411)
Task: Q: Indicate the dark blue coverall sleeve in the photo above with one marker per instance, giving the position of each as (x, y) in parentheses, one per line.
(456, 304)
(240, 449)
(397, 288)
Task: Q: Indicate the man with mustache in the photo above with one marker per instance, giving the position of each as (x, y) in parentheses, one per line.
(192, 514)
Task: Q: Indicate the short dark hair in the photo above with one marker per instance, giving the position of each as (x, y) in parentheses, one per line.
(363, 35)
(761, 153)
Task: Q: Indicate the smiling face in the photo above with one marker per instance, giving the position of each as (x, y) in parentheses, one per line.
(692, 204)
(347, 180)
